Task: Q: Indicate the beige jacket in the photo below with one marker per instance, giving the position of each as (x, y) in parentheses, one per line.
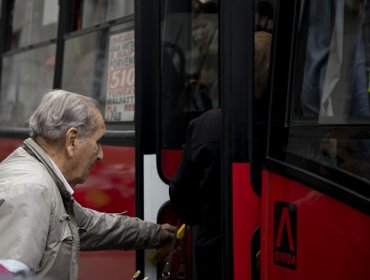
(42, 226)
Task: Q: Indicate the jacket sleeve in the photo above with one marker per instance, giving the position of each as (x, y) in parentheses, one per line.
(104, 231)
(24, 224)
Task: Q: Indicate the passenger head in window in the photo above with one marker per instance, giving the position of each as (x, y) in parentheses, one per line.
(264, 15)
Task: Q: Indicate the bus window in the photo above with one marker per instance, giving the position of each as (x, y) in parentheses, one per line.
(334, 83)
(25, 77)
(33, 21)
(189, 71)
(28, 60)
(95, 12)
(328, 131)
(104, 63)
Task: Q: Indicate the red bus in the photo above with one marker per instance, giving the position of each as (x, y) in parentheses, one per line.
(295, 168)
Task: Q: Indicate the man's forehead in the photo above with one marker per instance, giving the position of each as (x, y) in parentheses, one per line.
(100, 121)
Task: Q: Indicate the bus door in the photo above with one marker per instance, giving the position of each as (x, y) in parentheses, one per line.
(177, 80)
(181, 84)
(244, 131)
(316, 185)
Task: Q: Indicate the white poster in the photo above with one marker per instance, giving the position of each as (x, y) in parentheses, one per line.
(120, 102)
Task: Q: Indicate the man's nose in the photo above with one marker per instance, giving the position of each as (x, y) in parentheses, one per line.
(100, 154)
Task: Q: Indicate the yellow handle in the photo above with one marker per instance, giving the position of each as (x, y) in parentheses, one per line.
(180, 232)
(156, 255)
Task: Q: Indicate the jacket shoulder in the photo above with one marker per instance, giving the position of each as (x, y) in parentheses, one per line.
(21, 168)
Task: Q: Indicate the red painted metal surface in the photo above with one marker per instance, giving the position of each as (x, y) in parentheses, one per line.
(332, 239)
(170, 160)
(7, 146)
(110, 186)
(246, 218)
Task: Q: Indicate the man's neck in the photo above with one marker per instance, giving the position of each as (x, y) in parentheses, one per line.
(54, 150)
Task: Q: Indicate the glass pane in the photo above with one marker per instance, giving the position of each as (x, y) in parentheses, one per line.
(332, 63)
(25, 78)
(333, 52)
(343, 149)
(98, 11)
(101, 64)
(189, 68)
(34, 21)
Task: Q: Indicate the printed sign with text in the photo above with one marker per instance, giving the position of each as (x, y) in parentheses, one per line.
(120, 102)
(285, 234)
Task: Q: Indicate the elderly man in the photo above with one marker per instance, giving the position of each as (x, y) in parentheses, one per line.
(42, 228)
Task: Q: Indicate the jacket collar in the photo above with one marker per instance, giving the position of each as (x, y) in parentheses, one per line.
(35, 150)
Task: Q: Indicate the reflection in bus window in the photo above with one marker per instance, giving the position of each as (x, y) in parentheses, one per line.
(189, 84)
(336, 69)
(25, 77)
(348, 151)
(81, 62)
(34, 21)
(95, 12)
(343, 149)
(202, 60)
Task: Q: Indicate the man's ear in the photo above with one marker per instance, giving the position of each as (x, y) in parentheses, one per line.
(70, 141)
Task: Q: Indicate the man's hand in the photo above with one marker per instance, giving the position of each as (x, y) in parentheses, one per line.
(168, 232)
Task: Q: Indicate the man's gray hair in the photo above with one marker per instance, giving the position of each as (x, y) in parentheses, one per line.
(60, 110)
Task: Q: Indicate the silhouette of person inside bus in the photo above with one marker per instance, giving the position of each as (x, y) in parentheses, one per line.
(201, 91)
(190, 65)
(42, 227)
(202, 94)
(195, 190)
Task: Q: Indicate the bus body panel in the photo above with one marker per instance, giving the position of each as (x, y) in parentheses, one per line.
(110, 186)
(309, 235)
(8, 145)
(246, 218)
